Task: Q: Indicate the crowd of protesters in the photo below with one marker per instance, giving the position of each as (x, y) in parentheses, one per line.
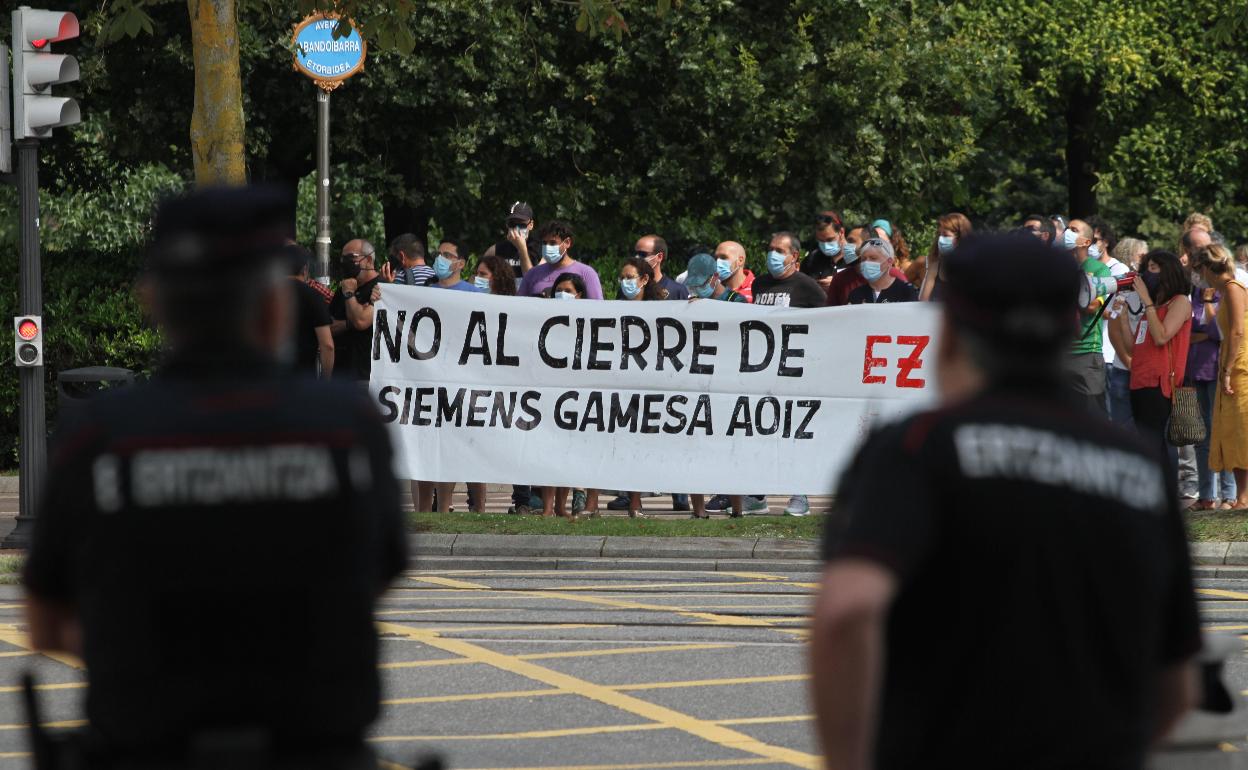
(1179, 321)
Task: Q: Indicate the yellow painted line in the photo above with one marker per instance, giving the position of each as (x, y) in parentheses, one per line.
(472, 697)
(539, 734)
(508, 694)
(14, 754)
(11, 634)
(1226, 628)
(65, 723)
(17, 654)
(450, 583)
(711, 682)
(613, 588)
(519, 627)
(569, 654)
(448, 609)
(646, 765)
(63, 686)
(768, 720)
(663, 717)
(1222, 593)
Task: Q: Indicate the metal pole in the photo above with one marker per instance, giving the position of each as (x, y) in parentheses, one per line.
(322, 186)
(32, 449)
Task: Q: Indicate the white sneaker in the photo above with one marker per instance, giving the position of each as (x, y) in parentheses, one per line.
(798, 506)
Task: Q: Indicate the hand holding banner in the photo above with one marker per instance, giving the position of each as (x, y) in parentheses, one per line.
(702, 396)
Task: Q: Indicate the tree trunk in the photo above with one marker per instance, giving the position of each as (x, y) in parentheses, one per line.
(217, 122)
(1081, 160)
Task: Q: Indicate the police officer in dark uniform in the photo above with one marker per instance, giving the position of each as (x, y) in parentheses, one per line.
(212, 543)
(1010, 585)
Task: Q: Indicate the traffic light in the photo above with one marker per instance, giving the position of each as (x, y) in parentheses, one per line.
(28, 340)
(36, 69)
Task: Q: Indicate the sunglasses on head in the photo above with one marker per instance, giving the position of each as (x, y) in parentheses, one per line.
(824, 219)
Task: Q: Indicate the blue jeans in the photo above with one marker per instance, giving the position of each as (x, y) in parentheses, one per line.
(1118, 394)
(1214, 485)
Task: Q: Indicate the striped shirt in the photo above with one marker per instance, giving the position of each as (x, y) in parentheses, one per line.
(417, 275)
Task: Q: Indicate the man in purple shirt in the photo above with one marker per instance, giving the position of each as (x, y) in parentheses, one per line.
(556, 239)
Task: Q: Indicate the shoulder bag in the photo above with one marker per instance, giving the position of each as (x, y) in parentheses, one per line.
(1187, 425)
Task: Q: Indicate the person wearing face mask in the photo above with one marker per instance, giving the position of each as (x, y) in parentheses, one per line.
(851, 278)
(785, 285)
(1159, 349)
(950, 229)
(448, 266)
(518, 247)
(556, 239)
(822, 261)
(875, 261)
(653, 249)
(494, 276)
(704, 282)
(352, 310)
(731, 269)
(1086, 364)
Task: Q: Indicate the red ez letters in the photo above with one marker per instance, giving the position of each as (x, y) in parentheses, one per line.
(905, 364)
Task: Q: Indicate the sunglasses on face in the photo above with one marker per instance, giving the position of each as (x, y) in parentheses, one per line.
(824, 219)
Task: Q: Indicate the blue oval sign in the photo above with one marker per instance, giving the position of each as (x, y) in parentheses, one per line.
(322, 57)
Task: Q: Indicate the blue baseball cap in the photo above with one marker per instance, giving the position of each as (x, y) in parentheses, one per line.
(701, 268)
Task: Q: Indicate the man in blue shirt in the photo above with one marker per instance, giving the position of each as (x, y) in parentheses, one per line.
(448, 265)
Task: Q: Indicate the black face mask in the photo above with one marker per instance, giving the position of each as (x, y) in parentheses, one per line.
(346, 268)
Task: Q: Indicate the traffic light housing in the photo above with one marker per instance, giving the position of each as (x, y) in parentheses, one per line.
(36, 69)
(28, 340)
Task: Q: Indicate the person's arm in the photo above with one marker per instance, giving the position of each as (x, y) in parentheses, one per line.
(325, 341)
(53, 626)
(1179, 692)
(1162, 331)
(1236, 300)
(1120, 335)
(522, 248)
(846, 656)
(931, 269)
(359, 316)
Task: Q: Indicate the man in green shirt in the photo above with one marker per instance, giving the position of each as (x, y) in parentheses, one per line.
(1086, 364)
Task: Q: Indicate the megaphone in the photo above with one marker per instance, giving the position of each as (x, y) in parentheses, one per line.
(1094, 286)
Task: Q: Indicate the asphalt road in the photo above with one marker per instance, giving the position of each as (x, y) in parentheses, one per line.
(573, 671)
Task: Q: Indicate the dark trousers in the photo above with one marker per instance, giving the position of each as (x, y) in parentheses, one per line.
(1151, 411)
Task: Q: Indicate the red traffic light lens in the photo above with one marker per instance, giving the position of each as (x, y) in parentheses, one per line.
(38, 43)
(28, 329)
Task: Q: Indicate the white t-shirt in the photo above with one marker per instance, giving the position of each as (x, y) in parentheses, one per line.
(1135, 315)
(1117, 270)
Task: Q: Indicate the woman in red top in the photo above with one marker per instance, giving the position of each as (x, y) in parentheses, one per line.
(1159, 352)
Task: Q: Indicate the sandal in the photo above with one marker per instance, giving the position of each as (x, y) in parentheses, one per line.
(1204, 505)
(1227, 505)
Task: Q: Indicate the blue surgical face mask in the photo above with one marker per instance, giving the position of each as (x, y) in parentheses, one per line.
(551, 253)
(870, 270)
(1094, 251)
(945, 244)
(830, 248)
(776, 263)
(849, 255)
(723, 268)
(705, 290)
(629, 287)
(564, 295)
(444, 267)
(482, 283)
(1070, 239)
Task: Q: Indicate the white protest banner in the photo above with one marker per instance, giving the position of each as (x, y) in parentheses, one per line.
(706, 396)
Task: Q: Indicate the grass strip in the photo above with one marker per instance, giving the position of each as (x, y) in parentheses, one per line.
(1217, 526)
(785, 527)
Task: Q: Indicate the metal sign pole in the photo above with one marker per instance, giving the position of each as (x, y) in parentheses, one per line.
(33, 436)
(322, 186)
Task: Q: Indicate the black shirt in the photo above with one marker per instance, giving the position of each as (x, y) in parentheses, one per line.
(507, 251)
(798, 290)
(818, 265)
(311, 312)
(675, 289)
(897, 291)
(223, 539)
(353, 348)
(1043, 583)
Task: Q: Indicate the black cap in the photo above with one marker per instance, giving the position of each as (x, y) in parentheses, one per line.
(1014, 290)
(519, 213)
(219, 230)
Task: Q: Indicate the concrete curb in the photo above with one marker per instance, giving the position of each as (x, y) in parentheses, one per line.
(1229, 554)
(557, 564)
(741, 552)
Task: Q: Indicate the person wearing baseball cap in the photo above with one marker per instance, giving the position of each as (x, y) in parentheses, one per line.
(1111, 677)
(703, 281)
(519, 240)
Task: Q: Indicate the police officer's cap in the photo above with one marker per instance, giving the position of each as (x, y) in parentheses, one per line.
(1013, 289)
(220, 230)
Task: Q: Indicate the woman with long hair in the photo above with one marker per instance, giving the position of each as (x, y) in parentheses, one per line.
(495, 276)
(1159, 349)
(1228, 444)
(950, 229)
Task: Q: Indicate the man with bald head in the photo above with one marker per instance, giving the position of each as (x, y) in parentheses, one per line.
(352, 309)
(1086, 365)
(733, 274)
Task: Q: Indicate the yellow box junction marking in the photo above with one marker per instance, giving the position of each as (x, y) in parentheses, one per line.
(662, 716)
(13, 635)
(508, 694)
